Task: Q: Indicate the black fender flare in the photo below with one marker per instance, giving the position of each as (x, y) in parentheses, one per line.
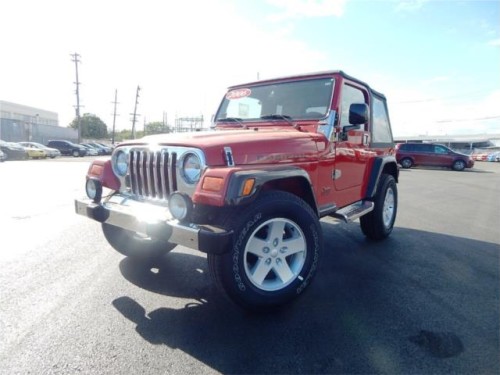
(382, 164)
(262, 177)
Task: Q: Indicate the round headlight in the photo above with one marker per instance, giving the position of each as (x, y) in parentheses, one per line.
(191, 168)
(121, 163)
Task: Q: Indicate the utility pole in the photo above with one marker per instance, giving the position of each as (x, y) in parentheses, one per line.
(165, 121)
(135, 114)
(76, 59)
(114, 118)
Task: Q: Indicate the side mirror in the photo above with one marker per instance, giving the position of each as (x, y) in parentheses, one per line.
(358, 114)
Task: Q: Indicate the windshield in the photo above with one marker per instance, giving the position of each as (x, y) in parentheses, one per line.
(308, 99)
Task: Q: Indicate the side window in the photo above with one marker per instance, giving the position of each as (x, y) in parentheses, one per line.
(381, 129)
(440, 150)
(426, 148)
(350, 95)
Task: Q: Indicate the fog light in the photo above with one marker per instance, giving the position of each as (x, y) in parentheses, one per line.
(93, 188)
(180, 206)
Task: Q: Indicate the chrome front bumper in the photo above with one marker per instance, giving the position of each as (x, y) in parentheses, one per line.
(156, 222)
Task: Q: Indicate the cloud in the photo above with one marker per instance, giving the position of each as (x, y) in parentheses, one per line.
(438, 79)
(410, 5)
(293, 9)
(443, 117)
(494, 42)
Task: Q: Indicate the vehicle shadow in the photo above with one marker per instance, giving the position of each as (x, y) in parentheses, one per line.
(417, 302)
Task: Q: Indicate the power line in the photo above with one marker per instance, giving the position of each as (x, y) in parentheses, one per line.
(442, 98)
(471, 119)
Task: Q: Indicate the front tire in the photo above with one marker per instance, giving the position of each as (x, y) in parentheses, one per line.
(134, 245)
(406, 163)
(274, 255)
(458, 165)
(378, 224)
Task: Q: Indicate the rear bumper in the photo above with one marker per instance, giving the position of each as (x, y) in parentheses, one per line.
(155, 222)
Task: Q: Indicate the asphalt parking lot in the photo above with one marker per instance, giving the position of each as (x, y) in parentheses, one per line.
(426, 300)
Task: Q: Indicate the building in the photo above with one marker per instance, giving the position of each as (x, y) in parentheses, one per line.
(20, 123)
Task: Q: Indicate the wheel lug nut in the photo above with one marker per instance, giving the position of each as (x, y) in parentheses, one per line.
(265, 250)
(268, 260)
(276, 242)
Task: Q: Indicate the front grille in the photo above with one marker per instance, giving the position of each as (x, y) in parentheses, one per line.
(152, 174)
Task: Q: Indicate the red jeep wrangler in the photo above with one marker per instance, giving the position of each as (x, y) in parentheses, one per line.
(250, 193)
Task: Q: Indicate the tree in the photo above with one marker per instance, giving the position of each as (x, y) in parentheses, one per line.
(156, 127)
(92, 126)
(124, 135)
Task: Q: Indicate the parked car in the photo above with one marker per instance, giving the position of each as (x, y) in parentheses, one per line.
(479, 156)
(494, 156)
(13, 151)
(2, 156)
(51, 152)
(35, 153)
(284, 153)
(431, 154)
(99, 150)
(68, 148)
(108, 148)
(90, 150)
(104, 150)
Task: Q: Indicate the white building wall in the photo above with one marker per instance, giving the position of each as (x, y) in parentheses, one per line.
(20, 122)
(24, 113)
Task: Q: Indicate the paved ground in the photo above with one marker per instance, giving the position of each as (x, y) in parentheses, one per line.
(424, 301)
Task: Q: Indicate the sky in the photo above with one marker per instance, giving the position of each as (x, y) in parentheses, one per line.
(437, 62)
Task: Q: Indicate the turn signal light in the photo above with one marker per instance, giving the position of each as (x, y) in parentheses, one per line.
(248, 187)
(213, 183)
(95, 170)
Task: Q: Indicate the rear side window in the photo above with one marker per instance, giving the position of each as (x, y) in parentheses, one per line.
(404, 147)
(381, 129)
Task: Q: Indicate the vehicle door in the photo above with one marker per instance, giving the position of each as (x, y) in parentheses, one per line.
(351, 148)
(424, 154)
(443, 156)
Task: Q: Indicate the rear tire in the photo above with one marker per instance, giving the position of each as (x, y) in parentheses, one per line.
(76, 153)
(274, 255)
(378, 224)
(134, 245)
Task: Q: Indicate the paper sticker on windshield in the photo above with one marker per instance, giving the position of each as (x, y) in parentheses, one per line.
(238, 94)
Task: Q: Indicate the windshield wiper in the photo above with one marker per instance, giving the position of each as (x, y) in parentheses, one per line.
(237, 120)
(278, 117)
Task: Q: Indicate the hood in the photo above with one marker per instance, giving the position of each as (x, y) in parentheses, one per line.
(248, 146)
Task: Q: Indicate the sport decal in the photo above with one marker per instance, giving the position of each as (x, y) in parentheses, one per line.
(238, 94)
